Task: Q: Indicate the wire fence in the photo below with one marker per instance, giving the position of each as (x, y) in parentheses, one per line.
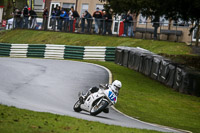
(100, 26)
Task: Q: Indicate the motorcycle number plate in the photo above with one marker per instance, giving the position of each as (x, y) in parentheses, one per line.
(112, 96)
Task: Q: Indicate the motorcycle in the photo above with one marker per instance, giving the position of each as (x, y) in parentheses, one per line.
(97, 102)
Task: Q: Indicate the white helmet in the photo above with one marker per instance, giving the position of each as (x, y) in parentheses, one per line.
(116, 85)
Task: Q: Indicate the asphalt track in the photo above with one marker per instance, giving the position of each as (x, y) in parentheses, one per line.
(52, 86)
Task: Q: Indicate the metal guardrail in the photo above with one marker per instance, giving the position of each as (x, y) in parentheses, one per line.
(50, 51)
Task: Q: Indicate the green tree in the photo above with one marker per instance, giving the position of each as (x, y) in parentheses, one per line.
(21, 3)
(187, 10)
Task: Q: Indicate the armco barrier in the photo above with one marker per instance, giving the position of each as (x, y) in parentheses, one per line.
(110, 54)
(180, 78)
(36, 50)
(19, 50)
(74, 52)
(52, 51)
(5, 49)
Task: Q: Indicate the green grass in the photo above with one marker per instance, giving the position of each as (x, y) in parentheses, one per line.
(139, 97)
(151, 101)
(13, 120)
(46, 37)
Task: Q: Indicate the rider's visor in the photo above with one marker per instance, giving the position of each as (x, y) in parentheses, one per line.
(118, 88)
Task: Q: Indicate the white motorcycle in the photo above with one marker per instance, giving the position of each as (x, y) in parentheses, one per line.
(97, 102)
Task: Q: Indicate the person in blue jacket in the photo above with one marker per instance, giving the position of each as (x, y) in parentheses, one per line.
(62, 18)
(66, 22)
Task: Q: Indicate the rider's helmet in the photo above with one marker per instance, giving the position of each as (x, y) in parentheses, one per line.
(116, 85)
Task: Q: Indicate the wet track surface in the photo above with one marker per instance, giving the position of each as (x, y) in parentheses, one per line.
(53, 86)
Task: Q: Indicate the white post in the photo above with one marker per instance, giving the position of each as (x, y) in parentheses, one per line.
(1, 14)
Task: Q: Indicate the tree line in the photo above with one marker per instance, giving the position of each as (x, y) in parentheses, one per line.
(186, 10)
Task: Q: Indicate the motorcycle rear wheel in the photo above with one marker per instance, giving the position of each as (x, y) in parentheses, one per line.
(77, 107)
(98, 109)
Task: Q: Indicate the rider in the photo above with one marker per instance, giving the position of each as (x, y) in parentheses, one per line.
(115, 87)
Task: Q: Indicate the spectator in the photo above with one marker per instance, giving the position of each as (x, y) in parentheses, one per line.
(58, 12)
(156, 24)
(33, 21)
(83, 23)
(26, 16)
(130, 25)
(45, 19)
(98, 16)
(125, 21)
(62, 18)
(101, 28)
(53, 19)
(107, 23)
(88, 17)
(71, 19)
(76, 17)
(66, 22)
(17, 18)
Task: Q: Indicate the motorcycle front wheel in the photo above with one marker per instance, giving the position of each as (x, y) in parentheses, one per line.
(77, 107)
(96, 109)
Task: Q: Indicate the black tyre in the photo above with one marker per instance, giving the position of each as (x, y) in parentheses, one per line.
(98, 109)
(77, 107)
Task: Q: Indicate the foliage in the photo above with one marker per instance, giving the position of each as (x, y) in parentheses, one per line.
(187, 10)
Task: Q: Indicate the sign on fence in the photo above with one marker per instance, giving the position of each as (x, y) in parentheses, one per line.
(4, 23)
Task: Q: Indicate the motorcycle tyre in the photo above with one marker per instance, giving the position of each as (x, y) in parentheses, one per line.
(78, 108)
(100, 109)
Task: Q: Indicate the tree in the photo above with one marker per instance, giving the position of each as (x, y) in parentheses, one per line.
(187, 10)
(120, 6)
(21, 3)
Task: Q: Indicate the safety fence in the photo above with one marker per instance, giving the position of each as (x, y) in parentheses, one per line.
(180, 78)
(50, 51)
(117, 27)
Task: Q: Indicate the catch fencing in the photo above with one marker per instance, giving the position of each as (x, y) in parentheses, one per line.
(50, 51)
(178, 77)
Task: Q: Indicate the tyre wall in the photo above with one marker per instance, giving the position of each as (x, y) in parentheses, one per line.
(180, 78)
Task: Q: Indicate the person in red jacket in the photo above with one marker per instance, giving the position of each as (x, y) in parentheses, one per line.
(98, 16)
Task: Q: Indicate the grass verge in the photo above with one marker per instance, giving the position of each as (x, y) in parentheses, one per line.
(151, 101)
(13, 120)
(178, 52)
(47, 37)
(140, 97)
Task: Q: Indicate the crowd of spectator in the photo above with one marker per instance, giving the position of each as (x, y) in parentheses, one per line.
(65, 20)
(21, 18)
